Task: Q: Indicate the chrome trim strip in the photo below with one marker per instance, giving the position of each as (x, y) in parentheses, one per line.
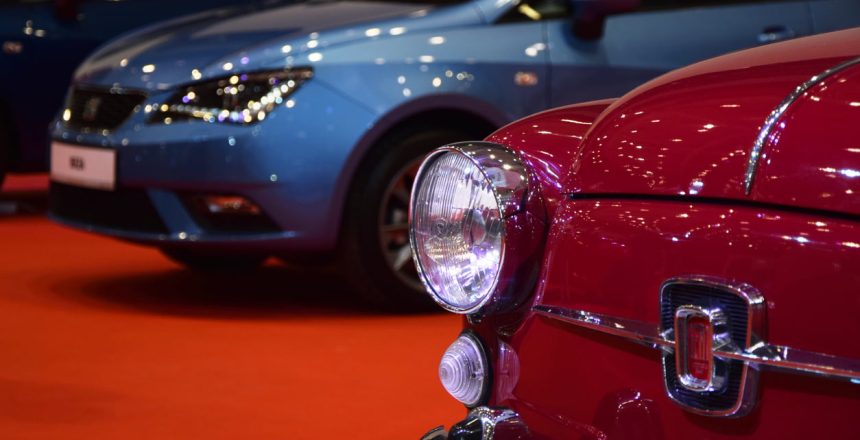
(761, 354)
(635, 331)
(770, 122)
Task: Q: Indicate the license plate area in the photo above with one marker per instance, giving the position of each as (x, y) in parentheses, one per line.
(83, 166)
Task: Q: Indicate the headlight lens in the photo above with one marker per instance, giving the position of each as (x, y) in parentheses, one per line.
(457, 231)
(476, 227)
(242, 98)
(464, 370)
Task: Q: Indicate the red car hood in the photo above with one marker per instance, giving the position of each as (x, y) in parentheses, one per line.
(690, 133)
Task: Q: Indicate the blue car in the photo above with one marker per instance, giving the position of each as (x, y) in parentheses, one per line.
(42, 43)
(295, 131)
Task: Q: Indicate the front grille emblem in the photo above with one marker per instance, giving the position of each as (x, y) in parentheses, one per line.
(703, 318)
(91, 109)
(697, 332)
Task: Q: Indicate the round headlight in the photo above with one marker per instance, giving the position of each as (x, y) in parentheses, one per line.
(464, 203)
(458, 227)
(464, 370)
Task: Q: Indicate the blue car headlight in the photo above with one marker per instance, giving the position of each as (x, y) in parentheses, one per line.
(241, 98)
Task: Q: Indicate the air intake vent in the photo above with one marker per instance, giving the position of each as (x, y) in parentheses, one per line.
(125, 209)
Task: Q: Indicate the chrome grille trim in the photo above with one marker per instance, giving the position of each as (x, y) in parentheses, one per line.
(761, 354)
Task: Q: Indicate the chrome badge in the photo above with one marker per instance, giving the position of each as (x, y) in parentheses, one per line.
(702, 318)
(91, 109)
(697, 332)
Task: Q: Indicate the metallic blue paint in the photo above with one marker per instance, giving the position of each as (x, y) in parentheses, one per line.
(375, 65)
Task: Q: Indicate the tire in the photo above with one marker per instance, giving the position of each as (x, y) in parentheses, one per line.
(375, 255)
(206, 262)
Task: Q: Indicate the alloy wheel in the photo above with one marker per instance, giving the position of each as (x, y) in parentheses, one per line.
(394, 225)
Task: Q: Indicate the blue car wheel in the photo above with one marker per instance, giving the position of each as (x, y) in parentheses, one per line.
(375, 253)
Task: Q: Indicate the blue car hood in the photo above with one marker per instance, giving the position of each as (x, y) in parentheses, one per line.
(216, 43)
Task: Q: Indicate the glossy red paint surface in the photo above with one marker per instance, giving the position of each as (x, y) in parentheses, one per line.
(548, 143)
(650, 187)
(610, 256)
(691, 131)
(813, 158)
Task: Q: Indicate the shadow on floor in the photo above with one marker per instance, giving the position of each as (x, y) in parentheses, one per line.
(270, 292)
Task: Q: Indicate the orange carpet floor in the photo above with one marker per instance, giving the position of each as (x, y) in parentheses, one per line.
(104, 340)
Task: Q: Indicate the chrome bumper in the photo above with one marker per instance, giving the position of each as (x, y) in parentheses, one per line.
(484, 423)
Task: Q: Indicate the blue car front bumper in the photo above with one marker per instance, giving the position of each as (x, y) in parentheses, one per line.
(290, 165)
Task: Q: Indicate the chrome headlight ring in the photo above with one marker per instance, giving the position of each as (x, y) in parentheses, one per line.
(477, 225)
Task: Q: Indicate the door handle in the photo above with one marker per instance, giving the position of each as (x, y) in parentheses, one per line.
(772, 34)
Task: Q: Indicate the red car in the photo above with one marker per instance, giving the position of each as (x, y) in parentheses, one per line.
(683, 262)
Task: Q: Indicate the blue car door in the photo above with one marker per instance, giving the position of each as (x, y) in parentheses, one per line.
(503, 62)
(661, 35)
(833, 15)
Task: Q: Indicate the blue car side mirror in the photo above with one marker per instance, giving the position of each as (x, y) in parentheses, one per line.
(589, 15)
(66, 11)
